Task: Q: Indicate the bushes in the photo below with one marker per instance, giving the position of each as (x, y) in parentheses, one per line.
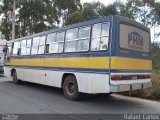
(152, 93)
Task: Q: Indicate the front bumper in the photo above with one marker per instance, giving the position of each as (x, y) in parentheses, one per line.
(129, 87)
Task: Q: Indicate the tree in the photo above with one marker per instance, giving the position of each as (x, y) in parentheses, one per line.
(156, 56)
(96, 9)
(65, 8)
(32, 16)
(157, 14)
(88, 11)
(74, 18)
(6, 26)
(142, 11)
(36, 16)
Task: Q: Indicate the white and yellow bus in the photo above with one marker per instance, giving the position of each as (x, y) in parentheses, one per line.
(104, 55)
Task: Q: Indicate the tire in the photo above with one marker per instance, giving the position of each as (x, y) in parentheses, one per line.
(14, 75)
(70, 88)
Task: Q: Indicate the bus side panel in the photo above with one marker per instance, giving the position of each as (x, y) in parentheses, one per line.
(7, 71)
(1, 62)
(87, 82)
(94, 83)
(31, 75)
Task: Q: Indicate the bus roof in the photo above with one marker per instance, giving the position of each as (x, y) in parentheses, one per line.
(89, 22)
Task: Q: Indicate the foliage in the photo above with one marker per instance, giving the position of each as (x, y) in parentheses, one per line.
(156, 56)
(150, 93)
(5, 23)
(34, 16)
(66, 7)
(157, 11)
(96, 9)
(74, 18)
(142, 11)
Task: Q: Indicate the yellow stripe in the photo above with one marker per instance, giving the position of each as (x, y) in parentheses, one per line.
(94, 62)
(130, 63)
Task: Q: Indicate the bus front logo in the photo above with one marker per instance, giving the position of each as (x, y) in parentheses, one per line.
(135, 41)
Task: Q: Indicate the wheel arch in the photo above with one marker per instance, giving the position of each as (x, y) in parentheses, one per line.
(13, 69)
(65, 75)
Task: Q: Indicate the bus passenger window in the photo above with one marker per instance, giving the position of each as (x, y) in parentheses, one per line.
(70, 46)
(35, 44)
(55, 42)
(83, 39)
(16, 48)
(60, 41)
(51, 38)
(71, 34)
(41, 45)
(23, 47)
(100, 36)
(28, 49)
(71, 40)
(105, 29)
(96, 30)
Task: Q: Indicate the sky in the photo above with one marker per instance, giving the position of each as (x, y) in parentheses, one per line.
(107, 2)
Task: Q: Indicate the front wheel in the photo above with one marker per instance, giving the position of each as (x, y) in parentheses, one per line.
(15, 80)
(70, 88)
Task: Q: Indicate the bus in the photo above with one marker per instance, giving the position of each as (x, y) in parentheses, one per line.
(2, 45)
(100, 56)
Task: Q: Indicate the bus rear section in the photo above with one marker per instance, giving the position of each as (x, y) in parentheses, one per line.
(131, 62)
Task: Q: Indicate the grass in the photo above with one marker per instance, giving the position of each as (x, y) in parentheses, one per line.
(152, 93)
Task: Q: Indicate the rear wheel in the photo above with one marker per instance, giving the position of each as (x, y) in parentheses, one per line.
(15, 80)
(70, 88)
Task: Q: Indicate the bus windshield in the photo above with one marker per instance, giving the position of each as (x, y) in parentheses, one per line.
(134, 38)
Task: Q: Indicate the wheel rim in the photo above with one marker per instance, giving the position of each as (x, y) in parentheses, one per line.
(70, 88)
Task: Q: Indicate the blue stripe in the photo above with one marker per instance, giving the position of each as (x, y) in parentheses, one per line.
(76, 55)
(67, 55)
(62, 68)
(130, 71)
(82, 69)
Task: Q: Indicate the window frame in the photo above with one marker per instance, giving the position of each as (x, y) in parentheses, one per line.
(18, 49)
(64, 32)
(79, 39)
(44, 35)
(30, 46)
(65, 41)
(71, 40)
(34, 45)
(110, 24)
(85, 38)
(25, 46)
(44, 44)
(130, 50)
